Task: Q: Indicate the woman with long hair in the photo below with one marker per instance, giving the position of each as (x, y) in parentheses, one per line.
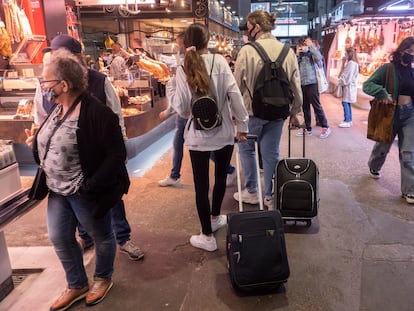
(203, 73)
(348, 83)
(402, 60)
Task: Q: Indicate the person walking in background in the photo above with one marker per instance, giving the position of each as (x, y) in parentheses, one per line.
(230, 62)
(402, 60)
(85, 173)
(99, 86)
(194, 76)
(348, 82)
(247, 68)
(174, 178)
(307, 56)
(116, 62)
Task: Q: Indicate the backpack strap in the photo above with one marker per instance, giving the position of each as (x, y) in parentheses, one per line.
(263, 55)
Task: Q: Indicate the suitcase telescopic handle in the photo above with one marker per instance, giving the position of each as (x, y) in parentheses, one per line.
(259, 185)
(303, 140)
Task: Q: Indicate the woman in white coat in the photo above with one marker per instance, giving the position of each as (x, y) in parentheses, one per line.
(348, 82)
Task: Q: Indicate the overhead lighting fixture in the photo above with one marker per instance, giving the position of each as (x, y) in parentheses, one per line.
(399, 5)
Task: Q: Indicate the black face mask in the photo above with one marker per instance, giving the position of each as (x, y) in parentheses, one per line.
(407, 58)
(250, 37)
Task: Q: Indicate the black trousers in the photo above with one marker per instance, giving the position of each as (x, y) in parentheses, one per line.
(200, 161)
(311, 97)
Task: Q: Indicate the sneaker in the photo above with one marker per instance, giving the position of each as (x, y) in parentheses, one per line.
(409, 198)
(247, 197)
(325, 132)
(85, 245)
(208, 243)
(230, 179)
(99, 290)
(345, 124)
(68, 298)
(133, 251)
(307, 133)
(219, 222)
(269, 203)
(167, 182)
(374, 174)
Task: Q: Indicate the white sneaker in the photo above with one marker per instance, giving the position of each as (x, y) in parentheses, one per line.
(325, 132)
(269, 203)
(219, 222)
(230, 179)
(409, 198)
(167, 182)
(345, 124)
(247, 197)
(208, 243)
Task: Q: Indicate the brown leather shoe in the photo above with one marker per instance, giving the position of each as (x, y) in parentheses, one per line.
(98, 291)
(68, 298)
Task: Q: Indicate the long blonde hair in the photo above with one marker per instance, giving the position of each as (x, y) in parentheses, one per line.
(196, 38)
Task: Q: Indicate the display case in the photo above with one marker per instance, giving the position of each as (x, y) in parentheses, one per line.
(135, 92)
(16, 107)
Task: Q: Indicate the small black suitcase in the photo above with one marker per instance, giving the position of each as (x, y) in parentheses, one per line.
(296, 187)
(256, 248)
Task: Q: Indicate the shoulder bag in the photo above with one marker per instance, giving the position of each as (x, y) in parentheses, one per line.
(39, 189)
(381, 114)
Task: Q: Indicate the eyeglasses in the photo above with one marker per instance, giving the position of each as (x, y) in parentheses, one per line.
(42, 82)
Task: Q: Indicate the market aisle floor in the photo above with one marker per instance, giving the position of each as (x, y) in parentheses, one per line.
(357, 255)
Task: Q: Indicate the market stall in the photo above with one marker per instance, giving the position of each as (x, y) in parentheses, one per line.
(374, 39)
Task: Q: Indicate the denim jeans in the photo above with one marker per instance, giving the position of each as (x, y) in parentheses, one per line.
(269, 134)
(120, 225)
(347, 112)
(403, 126)
(178, 145)
(200, 161)
(311, 97)
(63, 214)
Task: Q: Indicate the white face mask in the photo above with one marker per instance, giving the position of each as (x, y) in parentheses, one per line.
(305, 49)
(245, 39)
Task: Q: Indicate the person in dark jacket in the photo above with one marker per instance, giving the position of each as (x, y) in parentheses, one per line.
(101, 87)
(82, 151)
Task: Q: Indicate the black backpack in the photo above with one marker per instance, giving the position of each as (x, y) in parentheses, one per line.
(273, 93)
(206, 115)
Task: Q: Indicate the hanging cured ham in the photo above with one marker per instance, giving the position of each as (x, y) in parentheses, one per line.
(5, 43)
(381, 37)
(17, 23)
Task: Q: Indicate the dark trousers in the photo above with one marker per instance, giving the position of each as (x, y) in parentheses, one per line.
(200, 161)
(120, 225)
(311, 97)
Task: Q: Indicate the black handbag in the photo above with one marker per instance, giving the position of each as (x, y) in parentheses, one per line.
(39, 188)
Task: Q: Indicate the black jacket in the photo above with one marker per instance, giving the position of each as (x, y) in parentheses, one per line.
(102, 155)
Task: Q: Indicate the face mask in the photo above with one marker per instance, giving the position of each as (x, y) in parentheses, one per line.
(245, 39)
(407, 58)
(251, 37)
(50, 95)
(305, 49)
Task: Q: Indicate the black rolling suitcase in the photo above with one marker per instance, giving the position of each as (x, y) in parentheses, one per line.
(256, 249)
(296, 187)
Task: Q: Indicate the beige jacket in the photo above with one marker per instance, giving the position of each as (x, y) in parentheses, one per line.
(248, 66)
